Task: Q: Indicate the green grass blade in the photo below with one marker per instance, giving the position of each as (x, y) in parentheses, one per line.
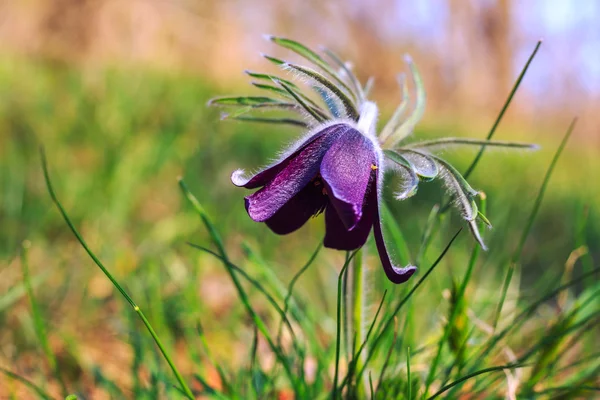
(472, 375)
(388, 356)
(254, 283)
(390, 321)
(41, 393)
(290, 288)
(450, 141)
(354, 363)
(338, 331)
(408, 378)
(459, 296)
(527, 312)
(534, 211)
(216, 238)
(38, 321)
(514, 89)
(136, 308)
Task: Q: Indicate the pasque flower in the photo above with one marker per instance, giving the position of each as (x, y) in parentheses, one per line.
(338, 167)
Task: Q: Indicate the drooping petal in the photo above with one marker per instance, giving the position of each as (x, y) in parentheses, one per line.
(395, 274)
(346, 170)
(261, 178)
(338, 237)
(307, 202)
(292, 176)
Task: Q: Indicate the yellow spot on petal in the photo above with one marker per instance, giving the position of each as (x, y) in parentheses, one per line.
(374, 167)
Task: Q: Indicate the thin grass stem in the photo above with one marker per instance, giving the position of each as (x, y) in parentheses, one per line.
(534, 211)
(38, 321)
(116, 284)
(216, 238)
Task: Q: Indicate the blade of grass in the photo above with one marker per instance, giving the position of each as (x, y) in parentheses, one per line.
(388, 356)
(216, 238)
(450, 141)
(334, 394)
(408, 379)
(254, 283)
(116, 284)
(290, 289)
(27, 383)
(357, 355)
(389, 322)
(225, 381)
(514, 89)
(38, 321)
(526, 313)
(474, 374)
(459, 296)
(534, 211)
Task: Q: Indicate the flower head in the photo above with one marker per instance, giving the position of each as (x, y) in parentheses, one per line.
(338, 167)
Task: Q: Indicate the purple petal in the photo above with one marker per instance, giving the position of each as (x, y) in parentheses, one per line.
(298, 171)
(346, 169)
(263, 177)
(394, 273)
(308, 202)
(338, 237)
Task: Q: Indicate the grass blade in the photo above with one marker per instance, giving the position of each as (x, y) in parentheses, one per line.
(472, 375)
(390, 321)
(216, 238)
(116, 284)
(514, 89)
(408, 379)
(27, 383)
(536, 206)
(450, 141)
(38, 321)
(459, 296)
(338, 337)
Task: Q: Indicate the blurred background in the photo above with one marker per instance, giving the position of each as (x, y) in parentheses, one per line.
(116, 92)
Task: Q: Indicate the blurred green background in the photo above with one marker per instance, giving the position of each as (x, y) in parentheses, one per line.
(116, 93)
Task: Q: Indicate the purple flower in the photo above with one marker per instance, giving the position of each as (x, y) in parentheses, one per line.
(336, 170)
